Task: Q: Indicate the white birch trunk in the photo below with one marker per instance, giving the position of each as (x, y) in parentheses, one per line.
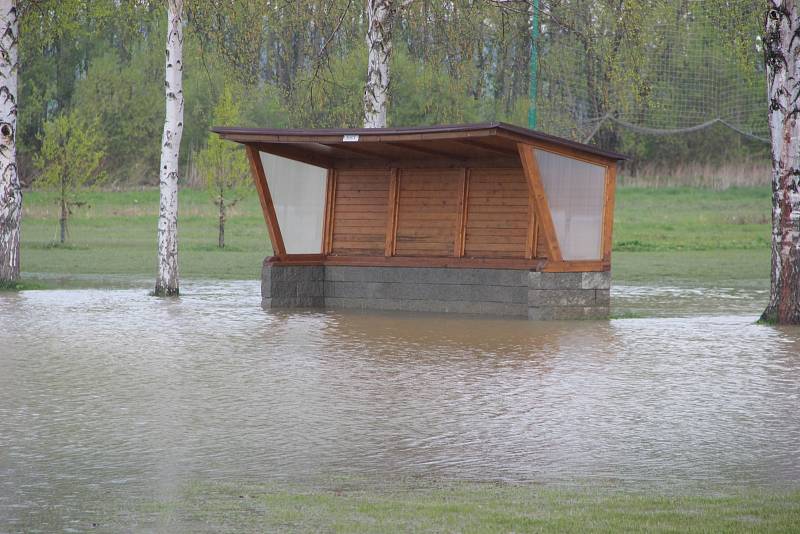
(10, 188)
(782, 56)
(167, 278)
(380, 18)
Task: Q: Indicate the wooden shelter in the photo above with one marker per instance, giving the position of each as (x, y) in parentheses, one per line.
(476, 196)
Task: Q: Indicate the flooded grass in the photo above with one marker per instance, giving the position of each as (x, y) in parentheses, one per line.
(466, 508)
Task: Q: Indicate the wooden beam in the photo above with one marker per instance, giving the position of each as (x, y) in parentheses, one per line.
(391, 217)
(483, 145)
(531, 169)
(575, 266)
(421, 150)
(302, 259)
(608, 211)
(430, 162)
(432, 261)
(461, 234)
(533, 229)
(354, 148)
(297, 154)
(270, 217)
(330, 200)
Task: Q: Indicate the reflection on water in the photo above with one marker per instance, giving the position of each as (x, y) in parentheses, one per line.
(113, 396)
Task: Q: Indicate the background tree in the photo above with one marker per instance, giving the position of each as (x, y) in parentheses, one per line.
(10, 189)
(69, 161)
(167, 277)
(301, 64)
(782, 56)
(380, 23)
(223, 164)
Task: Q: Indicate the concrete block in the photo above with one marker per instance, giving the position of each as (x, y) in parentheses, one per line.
(505, 292)
(338, 302)
(598, 280)
(298, 302)
(341, 273)
(602, 297)
(561, 297)
(567, 313)
(504, 308)
(537, 280)
(266, 288)
(541, 313)
(499, 294)
(507, 277)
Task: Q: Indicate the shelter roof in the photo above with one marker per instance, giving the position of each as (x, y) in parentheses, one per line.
(449, 144)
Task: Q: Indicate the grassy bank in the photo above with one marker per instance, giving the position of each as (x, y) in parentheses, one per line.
(115, 233)
(672, 235)
(468, 508)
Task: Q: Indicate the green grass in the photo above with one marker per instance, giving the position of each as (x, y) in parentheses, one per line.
(116, 234)
(684, 219)
(463, 507)
(670, 235)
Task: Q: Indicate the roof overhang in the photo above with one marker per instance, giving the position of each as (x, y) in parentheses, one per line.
(487, 144)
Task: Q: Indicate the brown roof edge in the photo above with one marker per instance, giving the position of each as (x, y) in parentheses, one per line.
(289, 135)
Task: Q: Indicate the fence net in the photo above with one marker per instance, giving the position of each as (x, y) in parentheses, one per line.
(668, 67)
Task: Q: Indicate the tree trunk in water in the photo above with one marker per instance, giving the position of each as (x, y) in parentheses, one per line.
(167, 278)
(10, 188)
(221, 222)
(380, 17)
(782, 57)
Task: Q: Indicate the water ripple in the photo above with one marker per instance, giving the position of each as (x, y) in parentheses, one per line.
(111, 394)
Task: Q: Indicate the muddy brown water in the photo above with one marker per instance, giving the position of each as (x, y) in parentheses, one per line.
(108, 395)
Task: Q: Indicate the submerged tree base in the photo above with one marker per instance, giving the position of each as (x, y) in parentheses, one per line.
(165, 292)
(19, 285)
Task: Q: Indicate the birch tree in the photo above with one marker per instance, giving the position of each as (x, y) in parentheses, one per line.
(10, 188)
(167, 277)
(380, 23)
(782, 57)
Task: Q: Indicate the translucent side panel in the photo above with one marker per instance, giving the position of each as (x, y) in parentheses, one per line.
(298, 193)
(574, 192)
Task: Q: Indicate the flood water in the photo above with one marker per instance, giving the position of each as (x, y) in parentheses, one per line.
(111, 396)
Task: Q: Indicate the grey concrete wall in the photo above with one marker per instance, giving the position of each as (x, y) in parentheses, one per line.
(486, 291)
(506, 292)
(292, 286)
(568, 296)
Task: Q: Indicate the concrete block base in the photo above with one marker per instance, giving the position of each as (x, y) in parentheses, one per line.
(503, 292)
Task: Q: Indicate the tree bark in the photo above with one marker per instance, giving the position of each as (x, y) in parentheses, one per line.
(10, 188)
(221, 222)
(782, 58)
(380, 19)
(167, 278)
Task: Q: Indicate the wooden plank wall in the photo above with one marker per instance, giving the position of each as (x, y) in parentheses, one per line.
(360, 212)
(497, 214)
(469, 213)
(428, 211)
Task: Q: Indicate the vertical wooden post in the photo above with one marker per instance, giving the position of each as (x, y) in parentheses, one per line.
(608, 212)
(330, 200)
(545, 218)
(270, 217)
(391, 215)
(461, 233)
(533, 229)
